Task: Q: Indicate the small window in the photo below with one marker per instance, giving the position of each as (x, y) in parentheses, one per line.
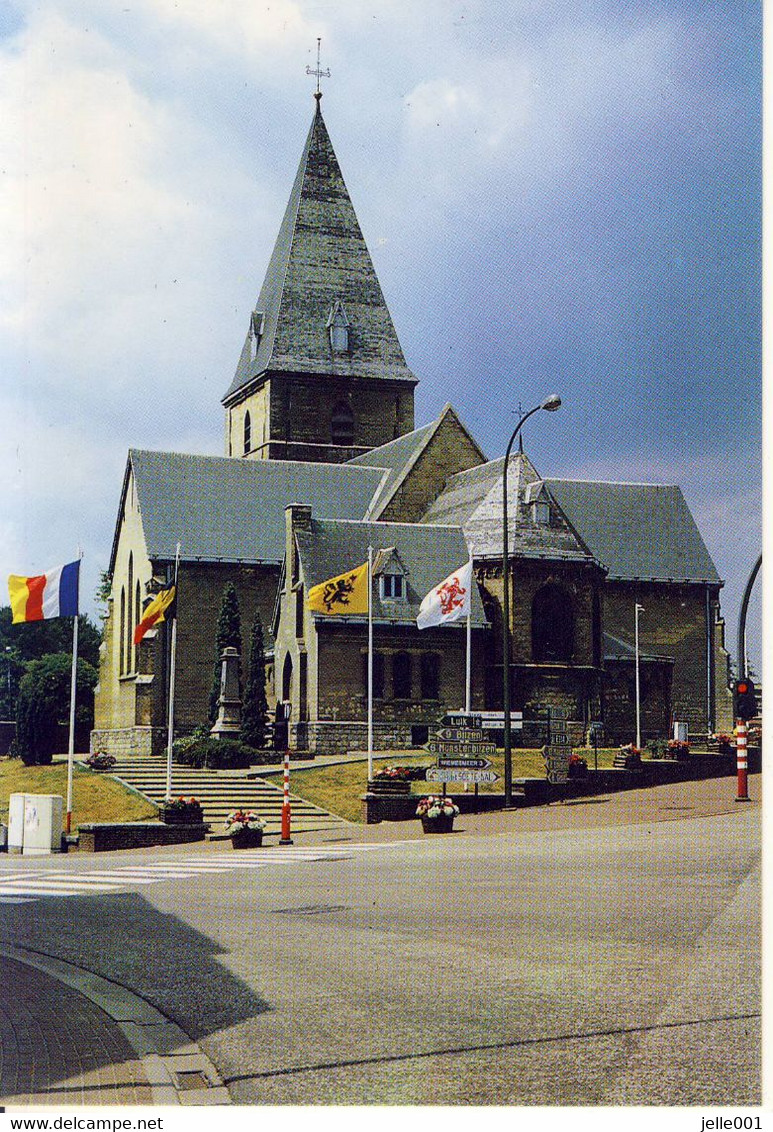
(342, 424)
(256, 332)
(401, 675)
(430, 676)
(299, 609)
(392, 586)
(541, 514)
(247, 432)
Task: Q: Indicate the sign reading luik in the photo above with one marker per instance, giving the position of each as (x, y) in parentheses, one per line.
(461, 747)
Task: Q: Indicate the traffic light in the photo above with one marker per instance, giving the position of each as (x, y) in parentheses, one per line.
(745, 699)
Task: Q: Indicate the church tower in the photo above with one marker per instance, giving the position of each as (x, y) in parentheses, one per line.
(321, 375)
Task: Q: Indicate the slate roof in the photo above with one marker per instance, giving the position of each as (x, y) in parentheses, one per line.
(233, 510)
(428, 554)
(615, 648)
(473, 499)
(637, 530)
(320, 257)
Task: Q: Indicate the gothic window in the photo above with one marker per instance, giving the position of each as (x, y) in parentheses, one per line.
(552, 626)
(287, 677)
(299, 612)
(247, 432)
(392, 586)
(122, 634)
(137, 618)
(430, 676)
(129, 621)
(401, 675)
(342, 424)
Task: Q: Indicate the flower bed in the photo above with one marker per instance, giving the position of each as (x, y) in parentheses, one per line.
(181, 811)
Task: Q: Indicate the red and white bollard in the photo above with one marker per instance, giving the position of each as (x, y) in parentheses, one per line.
(286, 839)
(742, 762)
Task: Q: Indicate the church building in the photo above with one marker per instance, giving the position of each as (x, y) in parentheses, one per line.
(322, 460)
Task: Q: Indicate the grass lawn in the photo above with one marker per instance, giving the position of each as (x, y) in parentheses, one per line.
(339, 788)
(95, 795)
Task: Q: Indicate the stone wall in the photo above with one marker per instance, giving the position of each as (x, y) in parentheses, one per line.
(301, 408)
(673, 624)
(449, 450)
(130, 742)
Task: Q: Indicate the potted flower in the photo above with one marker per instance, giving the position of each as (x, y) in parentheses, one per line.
(181, 811)
(100, 760)
(578, 766)
(725, 744)
(678, 749)
(630, 756)
(391, 780)
(245, 829)
(437, 813)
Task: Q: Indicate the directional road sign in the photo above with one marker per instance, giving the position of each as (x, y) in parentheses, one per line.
(438, 748)
(461, 735)
(464, 764)
(450, 774)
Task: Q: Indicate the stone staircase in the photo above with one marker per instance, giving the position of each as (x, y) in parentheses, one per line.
(222, 791)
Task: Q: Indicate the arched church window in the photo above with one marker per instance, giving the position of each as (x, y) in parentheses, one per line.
(129, 621)
(122, 634)
(342, 424)
(287, 677)
(247, 432)
(552, 626)
(137, 616)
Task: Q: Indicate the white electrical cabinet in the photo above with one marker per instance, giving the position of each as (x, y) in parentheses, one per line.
(16, 822)
(35, 823)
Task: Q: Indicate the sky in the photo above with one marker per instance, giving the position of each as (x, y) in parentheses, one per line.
(558, 197)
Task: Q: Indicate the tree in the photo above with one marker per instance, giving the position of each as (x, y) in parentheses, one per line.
(44, 703)
(255, 712)
(229, 635)
(31, 640)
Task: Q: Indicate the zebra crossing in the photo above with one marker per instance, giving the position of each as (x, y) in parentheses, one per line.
(23, 886)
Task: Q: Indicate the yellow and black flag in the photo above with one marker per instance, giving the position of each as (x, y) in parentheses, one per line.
(345, 594)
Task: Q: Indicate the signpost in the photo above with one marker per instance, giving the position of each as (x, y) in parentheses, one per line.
(558, 750)
(461, 747)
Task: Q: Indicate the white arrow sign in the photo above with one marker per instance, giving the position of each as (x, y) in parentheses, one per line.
(447, 774)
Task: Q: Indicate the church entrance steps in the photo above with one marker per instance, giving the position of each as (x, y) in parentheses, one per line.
(222, 792)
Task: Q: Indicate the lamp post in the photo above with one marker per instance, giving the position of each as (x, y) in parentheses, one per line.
(550, 404)
(639, 609)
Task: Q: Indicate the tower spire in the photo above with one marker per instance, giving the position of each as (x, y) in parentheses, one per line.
(320, 74)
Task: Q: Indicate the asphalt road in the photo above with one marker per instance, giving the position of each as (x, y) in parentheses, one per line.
(596, 966)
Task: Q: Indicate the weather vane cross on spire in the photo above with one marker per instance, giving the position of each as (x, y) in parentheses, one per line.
(320, 74)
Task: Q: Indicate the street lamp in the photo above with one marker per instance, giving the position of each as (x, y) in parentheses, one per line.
(550, 404)
(639, 609)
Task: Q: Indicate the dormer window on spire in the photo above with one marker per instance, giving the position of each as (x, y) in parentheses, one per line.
(257, 319)
(338, 328)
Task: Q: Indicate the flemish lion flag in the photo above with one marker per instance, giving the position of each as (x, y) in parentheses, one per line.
(154, 613)
(449, 601)
(345, 594)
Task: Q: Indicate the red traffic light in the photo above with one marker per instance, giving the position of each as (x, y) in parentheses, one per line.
(742, 687)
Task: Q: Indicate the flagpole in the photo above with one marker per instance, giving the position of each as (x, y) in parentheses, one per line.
(370, 663)
(73, 693)
(170, 714)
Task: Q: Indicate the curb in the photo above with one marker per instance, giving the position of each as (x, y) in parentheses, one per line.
(170, 1060)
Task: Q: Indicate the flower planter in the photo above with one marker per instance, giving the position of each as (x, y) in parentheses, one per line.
(443, 823)
(388, 786)
(247, 839)
(182, 816)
